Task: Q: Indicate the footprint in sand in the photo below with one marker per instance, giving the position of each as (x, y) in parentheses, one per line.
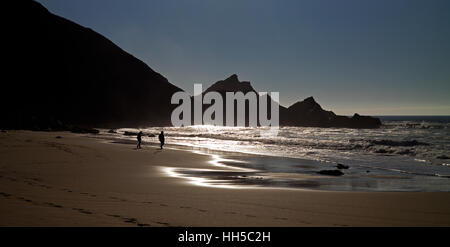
(130, 220)
(5, 194)
(53, 204)
(27, 200)
(163, 223)
(113, 215)
(82, 210)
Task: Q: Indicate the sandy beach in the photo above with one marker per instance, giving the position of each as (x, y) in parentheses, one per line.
(66, 179)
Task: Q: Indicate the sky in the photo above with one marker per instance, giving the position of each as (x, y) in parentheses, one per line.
(374, 57)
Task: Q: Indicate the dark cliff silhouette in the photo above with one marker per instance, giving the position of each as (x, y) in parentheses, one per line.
(70, 75)
(232, 84)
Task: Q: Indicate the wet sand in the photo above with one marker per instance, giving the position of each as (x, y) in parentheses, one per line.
(77, 180)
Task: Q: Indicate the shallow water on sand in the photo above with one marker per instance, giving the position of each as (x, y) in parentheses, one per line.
(257, 171)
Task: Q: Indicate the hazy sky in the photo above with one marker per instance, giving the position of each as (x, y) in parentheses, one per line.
(378, 57)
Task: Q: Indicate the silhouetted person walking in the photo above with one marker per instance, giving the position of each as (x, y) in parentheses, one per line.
(139, 138)
(161, 139)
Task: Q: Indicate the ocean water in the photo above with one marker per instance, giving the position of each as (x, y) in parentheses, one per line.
(408, 153)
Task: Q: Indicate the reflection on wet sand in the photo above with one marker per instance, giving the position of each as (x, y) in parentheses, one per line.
(250, 171)
(242, 171)
(235, 174)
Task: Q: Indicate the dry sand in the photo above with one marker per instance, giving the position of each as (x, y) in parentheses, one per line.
(80, 181)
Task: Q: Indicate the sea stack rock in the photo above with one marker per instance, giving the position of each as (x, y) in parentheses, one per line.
(308, 113)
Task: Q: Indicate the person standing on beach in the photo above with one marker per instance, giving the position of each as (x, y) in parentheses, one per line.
(161, 139)
(139, 139)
